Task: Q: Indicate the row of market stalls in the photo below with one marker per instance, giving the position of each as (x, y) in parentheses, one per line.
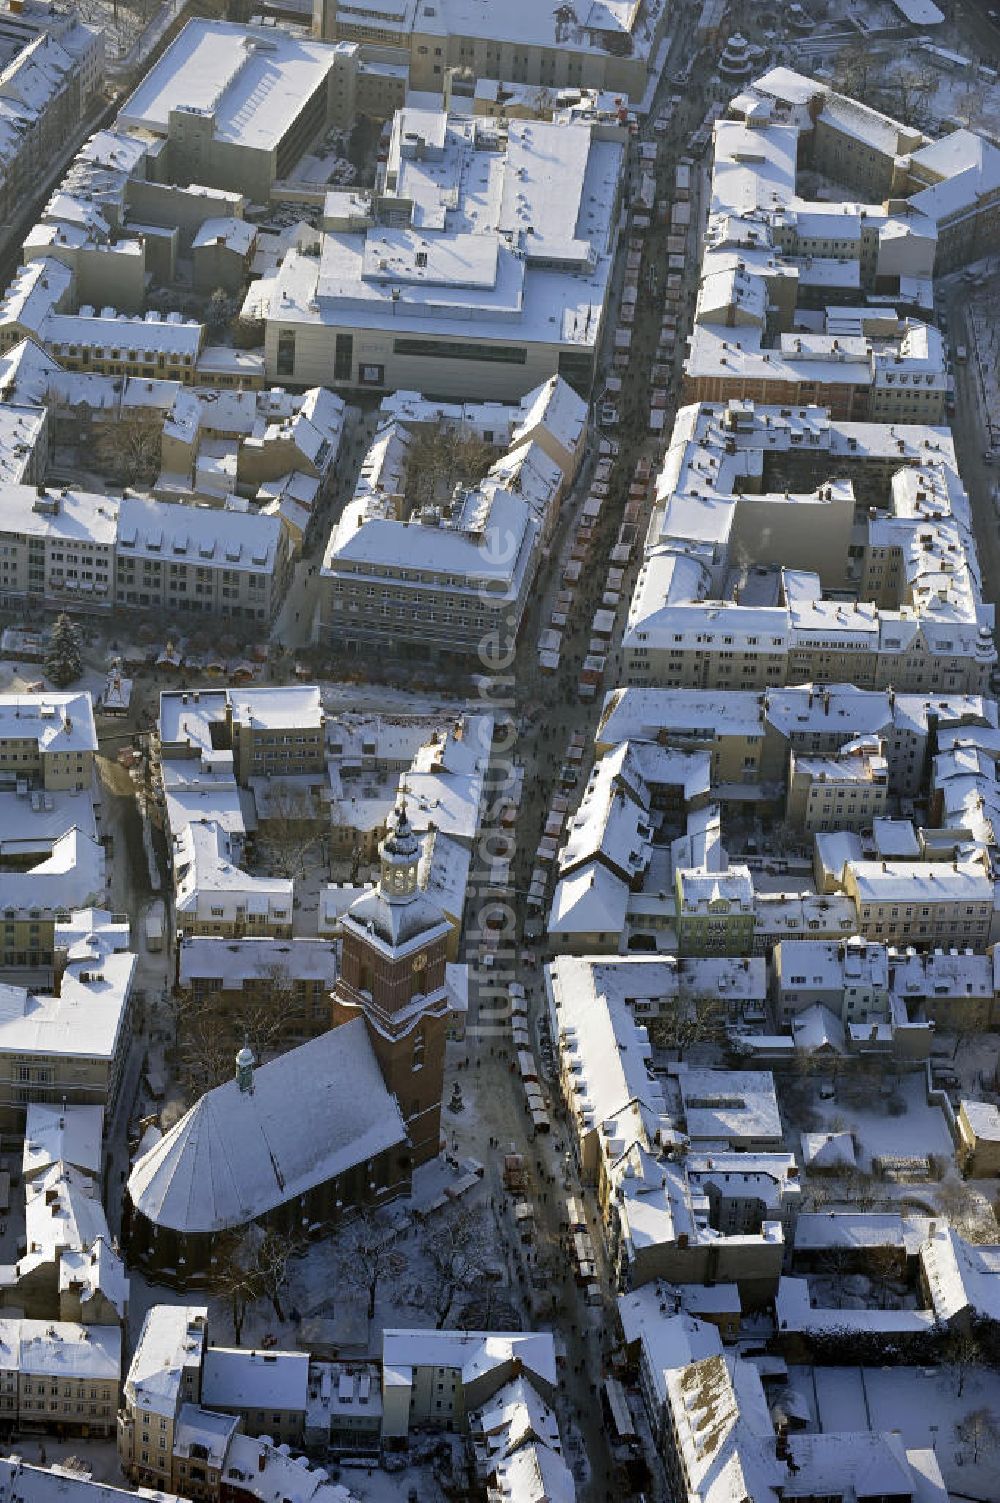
(527, 1064)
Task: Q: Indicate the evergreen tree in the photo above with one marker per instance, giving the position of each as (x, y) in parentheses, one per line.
(64, 658)
(220, 312)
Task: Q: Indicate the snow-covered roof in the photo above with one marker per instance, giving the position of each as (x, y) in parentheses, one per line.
(273, 1475)
(33, 820)
(58, 722)
(201, 1434)
(828, 1150)
(238, 1154)
(235, 962)
(60, 1349)
(171, 1341)
(517, 1413)
(591, 900)
(243, 541)
(960, 1276)
(606, 1050)
(206, 874)
(705, 891)
(730, 1105)
(533, 1474)
(472, 1353)
(854, 1463)
(652, 1316)
(238, 1378)
(252, 83)
(85, 1018)
(795, 1311)
(818, 1230)
(724, 1432)
(397, 925)
(983, 1118)
(60, 1484)
(235, 234)
(515, 237)
(68, 1134)
(918, 882)
(273, 708)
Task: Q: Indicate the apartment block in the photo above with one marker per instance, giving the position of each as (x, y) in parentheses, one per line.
(709, 613)
(750, 735)
(46, 87)
(164, 1376)
(70, 1044)
(847, 791)
(254, 985)
(276, 732)
(267, 1391)
(436, 1378)
(659, 1219)
(924, 903)
(214, 896)
(715, 911)
(35, 899)
(48, 740)
(430, 578)
(59, 1376)
(70, 548)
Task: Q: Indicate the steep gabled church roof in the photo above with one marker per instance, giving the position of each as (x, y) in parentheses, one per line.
(312, 1114)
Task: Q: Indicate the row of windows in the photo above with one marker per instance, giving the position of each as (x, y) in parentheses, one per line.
(460, 618)
(446, 349)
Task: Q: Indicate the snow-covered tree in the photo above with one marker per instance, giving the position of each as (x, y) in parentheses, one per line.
(367, 1253)
(220, 312)
(64, 657)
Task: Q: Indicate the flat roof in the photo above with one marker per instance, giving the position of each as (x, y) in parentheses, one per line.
(252, 82)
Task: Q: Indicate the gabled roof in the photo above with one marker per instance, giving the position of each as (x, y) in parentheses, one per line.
(238, 1154)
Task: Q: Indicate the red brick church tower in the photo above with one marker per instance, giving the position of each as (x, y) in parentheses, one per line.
(393, 974)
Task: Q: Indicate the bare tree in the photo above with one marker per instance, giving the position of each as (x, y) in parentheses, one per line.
(980, 1431)
(270, 1015)
(853, 68)
(204, 1046)
(909, 92)
(274, 1252)
(440, 458)
(458, 1250)
(290, 831)
(688, 1021)
(368, 1252)
(967, 1211)
(961, 1351)
(252, 1264)
(859, 1189)
(129, 451)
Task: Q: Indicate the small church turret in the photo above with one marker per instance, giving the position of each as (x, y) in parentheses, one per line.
(399, 855)
(244, 1069)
